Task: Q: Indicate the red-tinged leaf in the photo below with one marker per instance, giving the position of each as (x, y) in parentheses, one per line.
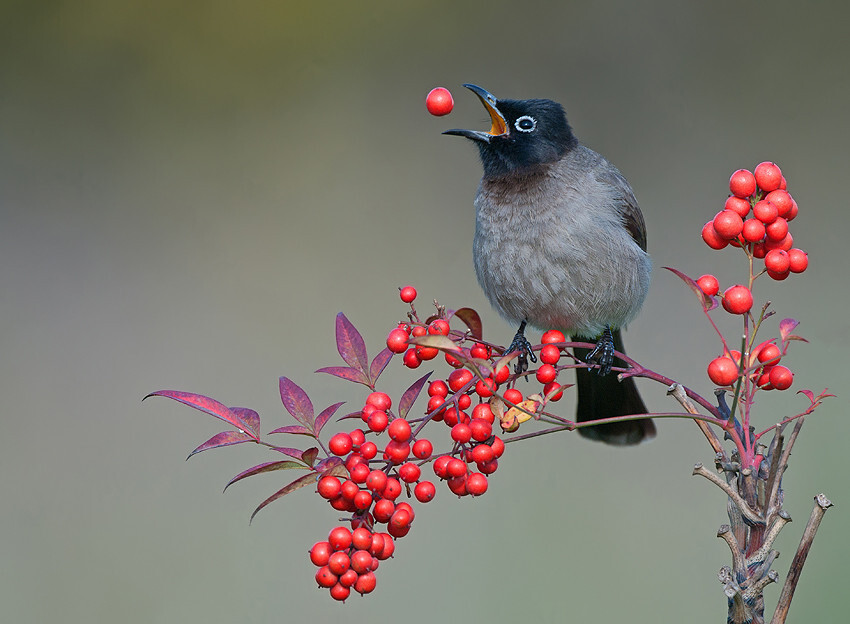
(437, 341)
(410, 395)
(309, 456)
(296, 429)
(347, 373)
(808, 394)
(349, 416)
(209, 406)
(708, 303)
(325, 416)
(296, 402)
(292, 452)
(471, 319)
(379, 364)
(249, 417)
(350, 344)
(786, 326)
(301, 482)
(266, 467)
(225, 438)
(332, 465)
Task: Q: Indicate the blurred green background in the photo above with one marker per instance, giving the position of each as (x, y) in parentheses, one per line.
(190, 191)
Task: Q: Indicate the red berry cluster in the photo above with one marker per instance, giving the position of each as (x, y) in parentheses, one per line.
(756, 217)
(764, 235)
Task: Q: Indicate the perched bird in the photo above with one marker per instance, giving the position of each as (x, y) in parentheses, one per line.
(560, 243)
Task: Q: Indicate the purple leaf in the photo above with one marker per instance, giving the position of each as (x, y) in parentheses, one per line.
(296, 429)
(307, 479)
(471, 319)
(296, 402)
(379, 364)
(808, 394)
(350, 416)
(309, 456)
(292, 452)
(410, 395)
(209, 406)
(267, 467)
(786, 326)
(345, 372)
(332, 465)
(325, 416)
(249, 417)
(350, 344)
(225, 438)
(708, 303)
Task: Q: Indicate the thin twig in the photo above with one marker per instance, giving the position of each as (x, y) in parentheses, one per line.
(677, 391)
(746, 511)
(822, 503)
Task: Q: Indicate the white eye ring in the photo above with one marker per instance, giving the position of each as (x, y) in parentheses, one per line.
(525, 118)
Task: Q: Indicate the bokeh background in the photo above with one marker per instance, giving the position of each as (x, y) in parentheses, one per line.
(189, 193)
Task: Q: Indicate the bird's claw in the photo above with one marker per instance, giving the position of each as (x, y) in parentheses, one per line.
(520, 343)
(603, 353)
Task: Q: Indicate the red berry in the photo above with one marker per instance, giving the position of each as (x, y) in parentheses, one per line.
(397, 452)
(758, 250)
(400, 519)
(359, 473)
(439, 327)
(340, 592)
(325, 578)
(349, 489)
(777, 230)
(768, 176)
(793, 212)
(397, 340)
(365, 583)
(399, 430)
(554, 388)
(553, 335)
(392, 489)
(485, 387)
(455, 468)
(480, 351)
(381, 400)
(453, 361)
(709, 284)
(320, 553)
(501, 375)
(481, 429)
(488, 467)
(781, 377)
(338, 563)
(407, 294)
(737, 204)
(753, 231)
(329, 487)
(409, 472)
(513, 395)
(357, 437)
(550, 354)
(483, 411)
(742, 183)
(712, 238)
(340, 444)
(424, 491)
(462, 433)
(737, 299)
(498, 446)
(778, 276)
(782, 200)
(441, 466)
(464, 401)
(728, 224)
(389, 548)
(418, 331)
(377, 544)
(348, 578)
(476, 484)
(361, 538)
(458, 485)
(438, 388)
(383, 510)
(770, 354)
(426, 353)
(378, 421)
(376, 481)
(482, 453)
(339, 538)
(361, 560)
(722, 371)
(546, 373)
(422, 449)
(799, 260)
(777, 261)
(459, 378)
(765, 212)
(368, 450)
(439, 101)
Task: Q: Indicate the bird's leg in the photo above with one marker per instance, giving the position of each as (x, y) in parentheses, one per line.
(520, 343)
(603, 353)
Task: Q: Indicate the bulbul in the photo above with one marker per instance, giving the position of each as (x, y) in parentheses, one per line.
(560, 243)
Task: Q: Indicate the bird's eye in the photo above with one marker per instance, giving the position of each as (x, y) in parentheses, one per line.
(526, 123)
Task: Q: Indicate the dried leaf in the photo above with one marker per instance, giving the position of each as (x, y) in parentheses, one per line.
(350, 344)
(410, 395)
(267, 467)
(301, 482)
(347, 373)
(209, 406)
(249, 417)
(296, 402)
(471, 319)
(225, 438)
(379, 364)
(309, 456)
(325, 416)
(296, 429)
(708, 303)
(437, 341)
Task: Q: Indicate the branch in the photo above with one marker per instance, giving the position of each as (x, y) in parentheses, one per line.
(822, 503)
(746, 510)
(678, 392)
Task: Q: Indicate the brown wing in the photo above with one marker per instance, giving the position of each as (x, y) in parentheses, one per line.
(629, 210)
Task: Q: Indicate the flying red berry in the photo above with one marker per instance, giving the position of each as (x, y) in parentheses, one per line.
(439, 101)
(407, 294)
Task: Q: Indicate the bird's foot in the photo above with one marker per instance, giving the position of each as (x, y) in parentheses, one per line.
(603, 353)
(520, 343)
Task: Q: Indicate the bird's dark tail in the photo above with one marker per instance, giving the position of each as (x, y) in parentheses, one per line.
(606, 397)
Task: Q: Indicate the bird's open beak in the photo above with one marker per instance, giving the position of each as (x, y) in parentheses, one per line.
(498, 127)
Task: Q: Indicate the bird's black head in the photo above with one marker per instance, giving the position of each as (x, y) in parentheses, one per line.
(524, 134)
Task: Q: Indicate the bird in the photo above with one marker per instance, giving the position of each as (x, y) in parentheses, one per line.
(560, 243)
